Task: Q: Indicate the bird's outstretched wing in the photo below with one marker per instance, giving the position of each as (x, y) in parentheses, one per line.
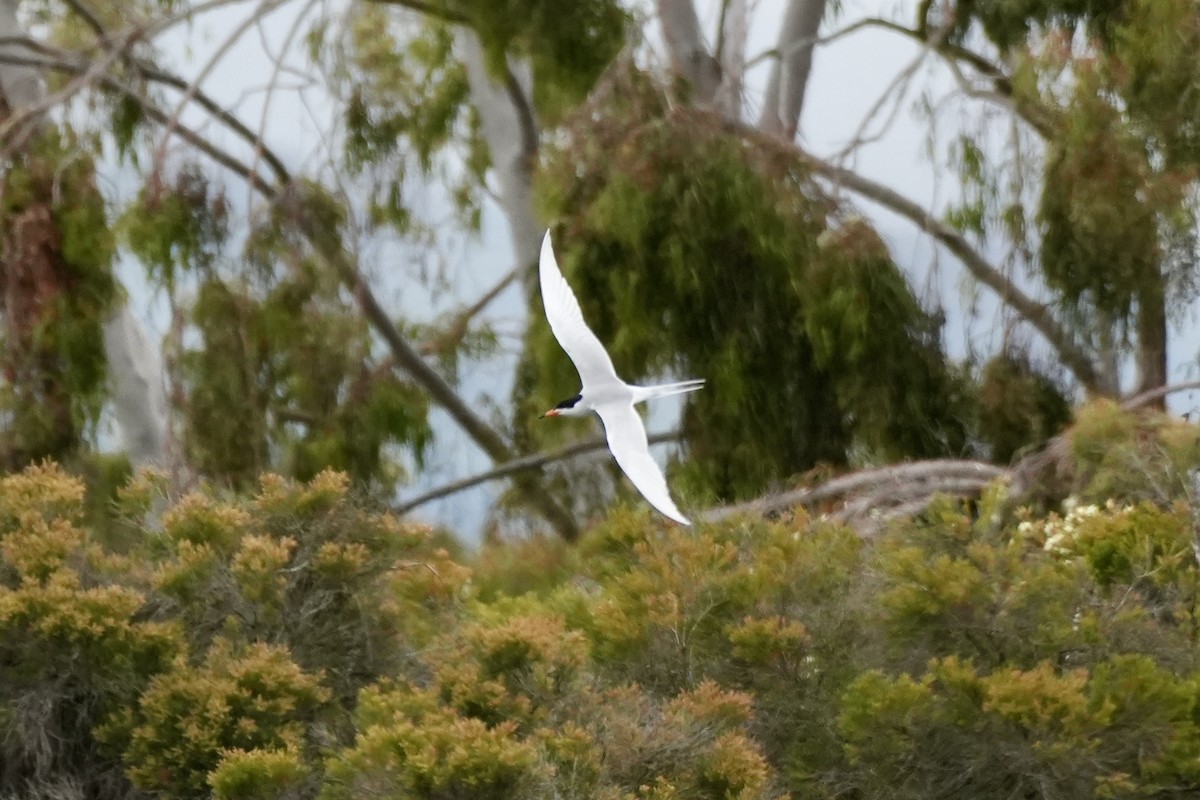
(566, 321)
(627, 441)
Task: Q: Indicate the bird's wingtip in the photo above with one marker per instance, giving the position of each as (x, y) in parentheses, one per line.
(547, 254)
(680, 518)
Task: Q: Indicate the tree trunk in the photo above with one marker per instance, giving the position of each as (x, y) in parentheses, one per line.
(690, 58)
(1152, 339)
(793, 64)
(731, 56)
(139, 397)
(510, 129)
(134, 366)
(22, 86)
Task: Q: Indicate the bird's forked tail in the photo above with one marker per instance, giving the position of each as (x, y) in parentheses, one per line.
(666, 389)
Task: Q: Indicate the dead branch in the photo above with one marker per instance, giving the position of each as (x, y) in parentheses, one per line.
(870, 497)
(898, 480)
(1150, 395)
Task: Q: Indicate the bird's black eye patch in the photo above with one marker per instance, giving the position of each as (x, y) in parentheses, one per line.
(570, 403)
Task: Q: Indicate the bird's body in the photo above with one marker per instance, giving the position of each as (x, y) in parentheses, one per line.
(603, 391)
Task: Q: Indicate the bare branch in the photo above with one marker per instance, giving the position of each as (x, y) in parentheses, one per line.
(89, 18)
(331, 251)
(264, 8)
(61, 62)
(1036, 314)
(896, 89)
(954, 54)
(530, 462)
(260, 149)
(931, 475)
(456, 329)
(1152, 395)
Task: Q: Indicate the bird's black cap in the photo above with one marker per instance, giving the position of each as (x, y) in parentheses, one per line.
(570, 402)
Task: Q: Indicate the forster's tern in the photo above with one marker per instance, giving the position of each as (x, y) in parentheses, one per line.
(603, 392)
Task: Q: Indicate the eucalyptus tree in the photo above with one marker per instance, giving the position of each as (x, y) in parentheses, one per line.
(1103, 97)
(702, 237)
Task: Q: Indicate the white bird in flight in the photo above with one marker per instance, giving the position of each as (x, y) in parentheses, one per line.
(603, 392)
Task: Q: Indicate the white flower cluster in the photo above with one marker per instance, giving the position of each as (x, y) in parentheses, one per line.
(1057, 533)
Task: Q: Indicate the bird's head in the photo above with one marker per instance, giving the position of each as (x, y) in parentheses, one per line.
(567, 408)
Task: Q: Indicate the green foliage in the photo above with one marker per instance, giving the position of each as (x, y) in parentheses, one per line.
(202, 655)
(57, 288)
(697, 252)
(407, 103)
(257, 774)
(305, 566)
(1100, 230)
(74, 647)
(1019, 407)
(190, 717)
(434, 753)
(293, 643)
(1136, 456)
(283, 376)
(1042, 731)
(567, 53)
(176, 227)
(1009, 22)
(1109, 85)
(1155, 46)
(406, 91)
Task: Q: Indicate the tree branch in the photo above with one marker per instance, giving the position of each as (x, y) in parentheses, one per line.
(331, 251)
(193, 88)
(900, 478)
(1036, 314)
(953, 53)
(456, 329)
(535, 461)
(52, 59)
(1145, 398)
(89, 18)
